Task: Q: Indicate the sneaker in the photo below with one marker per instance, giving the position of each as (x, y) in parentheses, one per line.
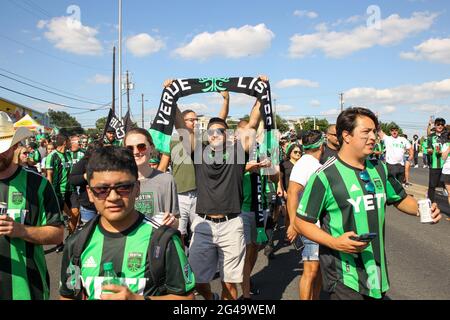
(268, 249)
(416, 166)
(254, 291)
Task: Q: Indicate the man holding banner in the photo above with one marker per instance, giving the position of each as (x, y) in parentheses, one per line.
(218, 230)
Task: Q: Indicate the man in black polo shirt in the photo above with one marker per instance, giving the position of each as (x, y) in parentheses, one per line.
(218, 230)
(332, 146)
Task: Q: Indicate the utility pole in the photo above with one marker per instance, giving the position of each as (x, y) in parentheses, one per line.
(342, 101)
(113, 106)
(314, 122)
(120, 59)
(128, 91)
(142, 111)
(275, 113)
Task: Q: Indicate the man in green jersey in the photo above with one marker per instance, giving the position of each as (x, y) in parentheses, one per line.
(29, 218)
(76, 154)
(110, 138)
(435, 145)
(121, 235)
(58, 165)
(349, 195)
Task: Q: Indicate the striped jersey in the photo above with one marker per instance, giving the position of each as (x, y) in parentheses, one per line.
(128, 252)
(338, 197)
(31, 200)
(61, 164)
(76, 156)
(436, 143)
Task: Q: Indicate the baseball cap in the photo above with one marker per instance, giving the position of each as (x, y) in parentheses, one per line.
(217, 120)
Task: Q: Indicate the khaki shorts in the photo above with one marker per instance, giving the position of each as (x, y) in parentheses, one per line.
(217, 244)
(250, 234)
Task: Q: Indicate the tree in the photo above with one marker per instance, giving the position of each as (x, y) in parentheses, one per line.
(386, 127)
(67, 124)
(100, 124)
(308, 124)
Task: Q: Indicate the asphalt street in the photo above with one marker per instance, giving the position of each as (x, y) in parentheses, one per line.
(418, 259)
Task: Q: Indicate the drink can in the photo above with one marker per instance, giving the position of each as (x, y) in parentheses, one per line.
(425, 211)
(3, 208)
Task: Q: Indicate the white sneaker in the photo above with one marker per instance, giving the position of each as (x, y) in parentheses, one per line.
(416, 166)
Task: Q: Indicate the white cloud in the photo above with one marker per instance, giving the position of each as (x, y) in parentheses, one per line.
(287, 83)
(394, 30)
(143, 44)
(431, 109)
(195, 106)
(100, 79)
(20, 51)
(304, 13)
(387, 110)
(435, 50)
(284, 108)
(315, 103)
(232, 43)
(70, 35)
(402, 95)
(331, 112)
(236, 99)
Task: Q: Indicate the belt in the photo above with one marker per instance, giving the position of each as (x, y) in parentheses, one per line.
(219, 220)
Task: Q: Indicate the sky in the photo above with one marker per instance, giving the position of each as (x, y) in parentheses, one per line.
(390, 56)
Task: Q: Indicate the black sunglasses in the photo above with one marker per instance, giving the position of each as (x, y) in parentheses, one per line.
(141, 147)
(122, 190)
(219, 131)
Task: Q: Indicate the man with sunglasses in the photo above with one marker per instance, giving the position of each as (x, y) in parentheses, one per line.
(332, 146)
(435, 145)
(349, 195)
(218, 230)
(120, 235)
(396, 147)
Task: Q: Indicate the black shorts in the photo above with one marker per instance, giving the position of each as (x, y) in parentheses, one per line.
(435, 178)
(342, 292)
(64, 200)
(75, 200)
(397, 171)
(446, 178)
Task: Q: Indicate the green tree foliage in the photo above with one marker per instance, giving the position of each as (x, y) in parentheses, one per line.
(67, 124)
(308, 124)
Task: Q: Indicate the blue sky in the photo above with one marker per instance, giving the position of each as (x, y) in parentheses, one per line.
(398, 65)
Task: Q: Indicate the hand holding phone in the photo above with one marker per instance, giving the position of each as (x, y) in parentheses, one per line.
(366, 237)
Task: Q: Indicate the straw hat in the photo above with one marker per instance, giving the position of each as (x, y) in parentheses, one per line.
(8, 136)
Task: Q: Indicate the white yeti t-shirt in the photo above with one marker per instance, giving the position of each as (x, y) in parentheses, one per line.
(395, 149)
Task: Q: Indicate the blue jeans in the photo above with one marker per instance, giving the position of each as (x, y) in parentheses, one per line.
(86, 214)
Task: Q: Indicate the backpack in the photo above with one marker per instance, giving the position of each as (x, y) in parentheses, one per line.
(156, 254)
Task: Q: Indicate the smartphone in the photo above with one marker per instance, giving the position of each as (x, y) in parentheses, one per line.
(298, 243)
(366, 237)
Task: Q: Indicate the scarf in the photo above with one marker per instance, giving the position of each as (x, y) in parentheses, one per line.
(162, 127)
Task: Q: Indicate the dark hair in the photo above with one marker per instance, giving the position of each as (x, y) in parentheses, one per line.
(33, 145)
(140, 131)
(111, 159)
(185, 112)
(92, 147)
(439, 121)
(291, 148)
(60, 140)
(217, 120)
(346, 120)
(415, 136)
(311, 137)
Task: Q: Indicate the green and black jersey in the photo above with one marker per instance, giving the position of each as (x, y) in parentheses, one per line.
(338, 197)
(61, 164)
(434, 142)
(76, 156)
(31, 200)
(115, 143)
(128, 252)
(36, 156)
(250, 192)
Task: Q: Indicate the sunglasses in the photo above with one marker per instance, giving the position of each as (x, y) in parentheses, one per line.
(218, 131)
(440, 124)
(141, 147)
(191, 119)
(364, 176)
(123, 190)
(296, 152)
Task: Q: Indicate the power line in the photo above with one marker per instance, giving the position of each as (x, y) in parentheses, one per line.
(24, 9)
(43, 100)
(39, 8)
(51, 55)
(48, 91)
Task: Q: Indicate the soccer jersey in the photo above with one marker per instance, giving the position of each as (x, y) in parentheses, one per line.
(435, 142)
(31, 200)
(36, 156)
(76, 156)
(128, 251)
(338, 197)
(60, 163)
(250, 192)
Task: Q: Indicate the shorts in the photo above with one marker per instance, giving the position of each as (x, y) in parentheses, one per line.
(86, 214)
(434, 178)
(310, 251)
(397, 171)
(446, 178)
(217, 245)
(249, 220)
(75, 200)
(342, 292)
(64, 200)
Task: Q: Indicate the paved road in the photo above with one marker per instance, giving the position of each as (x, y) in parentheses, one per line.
(418, 260)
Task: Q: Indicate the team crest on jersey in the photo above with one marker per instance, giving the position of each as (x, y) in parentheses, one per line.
(134, 262)
(188, 274)
(378, 184)
(17, 198)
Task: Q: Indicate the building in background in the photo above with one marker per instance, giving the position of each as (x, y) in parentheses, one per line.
(17, 111)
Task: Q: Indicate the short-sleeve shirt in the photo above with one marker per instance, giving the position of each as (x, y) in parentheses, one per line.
(395, 149)
(128, 251)
(337, 196)
(221, 175)
(158, 193)
(60, 163)
(182, 167)
(286, 168)
(436, 143)
(327, 154)
(446, 167)
(31, 201)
